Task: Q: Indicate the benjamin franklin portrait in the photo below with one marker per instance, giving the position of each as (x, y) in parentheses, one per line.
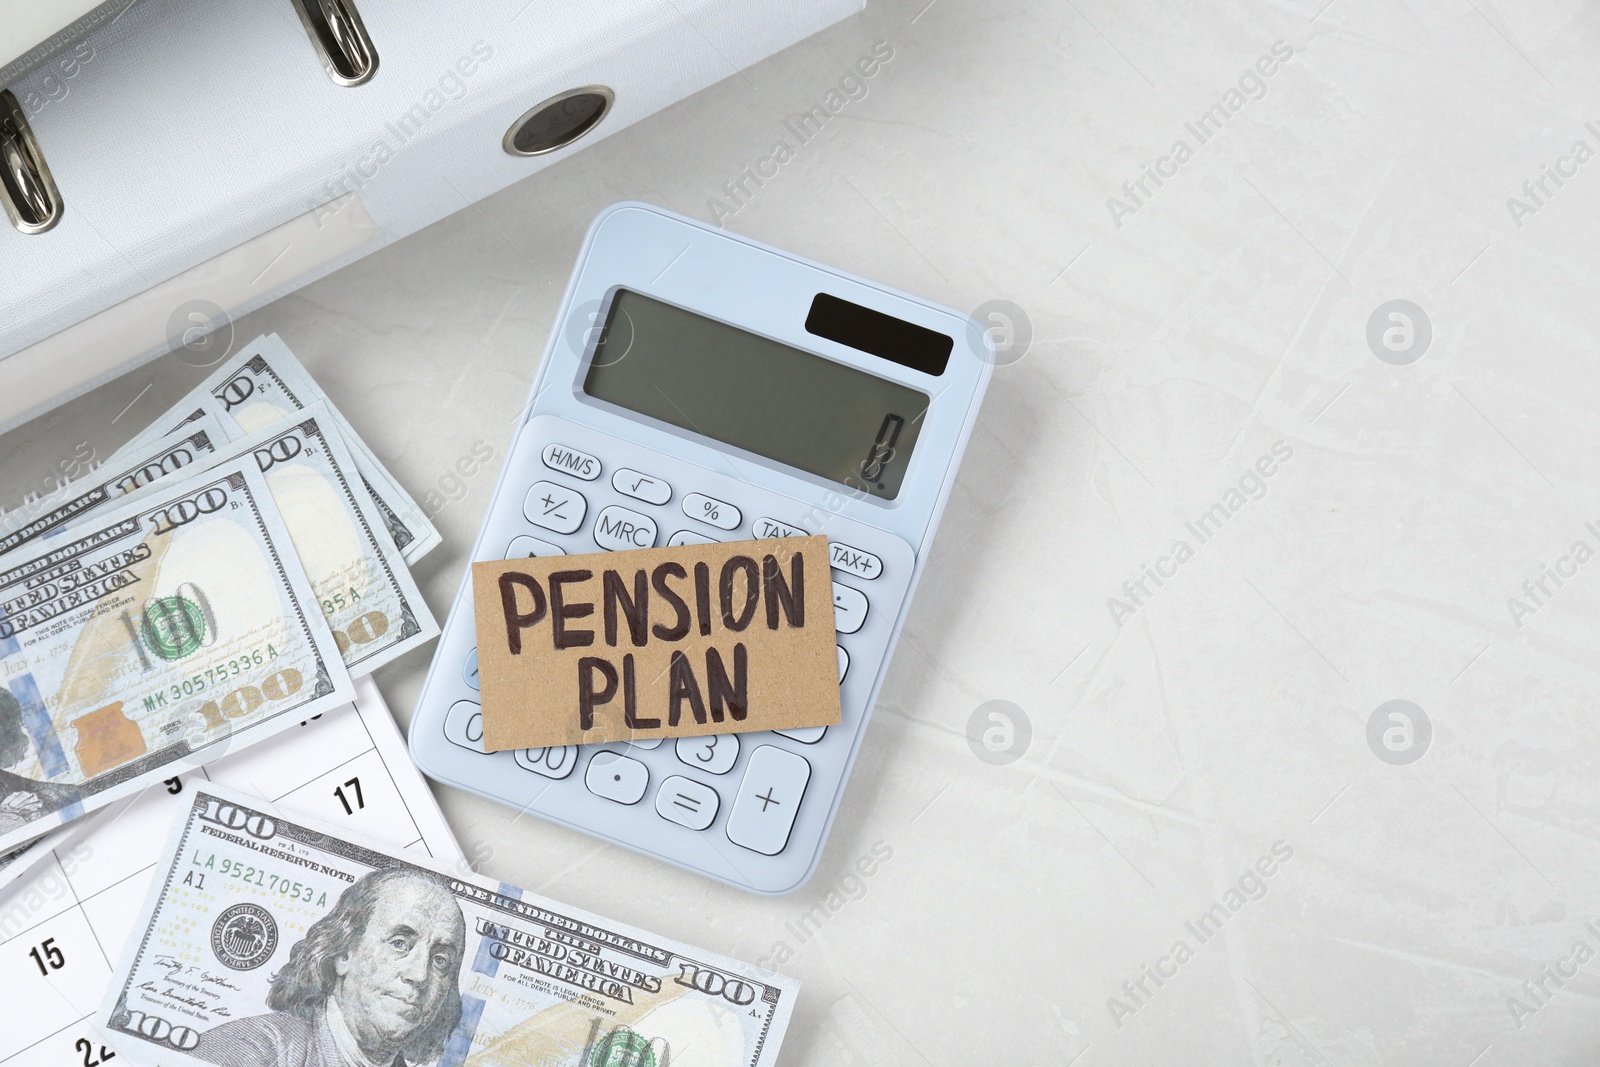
(374, 983)
(23, 800)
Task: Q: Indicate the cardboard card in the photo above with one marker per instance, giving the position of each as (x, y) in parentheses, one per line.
(658, 642)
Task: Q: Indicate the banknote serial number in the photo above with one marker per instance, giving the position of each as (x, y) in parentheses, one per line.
(261, 878)
(213, 676)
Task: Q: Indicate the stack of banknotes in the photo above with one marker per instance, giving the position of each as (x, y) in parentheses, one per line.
(223, 577)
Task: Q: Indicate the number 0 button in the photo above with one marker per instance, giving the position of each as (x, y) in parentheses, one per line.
(769, 798)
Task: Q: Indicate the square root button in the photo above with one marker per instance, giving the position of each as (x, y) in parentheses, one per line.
(769, 799)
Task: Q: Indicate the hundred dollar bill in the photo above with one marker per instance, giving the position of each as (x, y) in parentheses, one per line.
(174, 421)
(19, 861)
(160, 634)
(362, 585)
(269, 940)
(264, 382)
(127, 470)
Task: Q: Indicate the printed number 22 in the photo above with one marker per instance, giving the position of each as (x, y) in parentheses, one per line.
(355, 785)
(89, 1058)
(47, 952)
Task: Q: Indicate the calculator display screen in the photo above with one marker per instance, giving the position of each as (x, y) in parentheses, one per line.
(757, 394)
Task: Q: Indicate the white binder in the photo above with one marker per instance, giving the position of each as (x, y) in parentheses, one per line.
(200, 139)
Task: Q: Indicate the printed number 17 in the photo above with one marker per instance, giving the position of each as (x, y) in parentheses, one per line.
(355, 785)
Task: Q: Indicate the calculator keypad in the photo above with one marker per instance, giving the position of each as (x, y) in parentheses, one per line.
(464, 725)
(558, 457)
(856, 561)
(554, 762)
(715, 754)
(758, 794)
(616, 777)
(687, 802)
(630, 482)
(718, 513)
(555, 507)
(768, 801)
(524, 547)
(619, 528)
(765, 527)
(849, 608)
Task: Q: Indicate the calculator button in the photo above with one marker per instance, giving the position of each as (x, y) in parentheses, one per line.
(718, 513)
(525, 547)
(806, 735)
(854, 561)
(554, 762)
(645, 744)
(689, 537)
(769, 798)
(849, 608)
(641, 486)
(555, 507)
(463, 725)
(765, 527)
(470, 671)
(616, 777)
(570, 461)
(618, 529)
(844, 662)
(715, 754)
(687, 803)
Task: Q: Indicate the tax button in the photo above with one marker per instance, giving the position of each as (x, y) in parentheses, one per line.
(765, 527)
(854, 561)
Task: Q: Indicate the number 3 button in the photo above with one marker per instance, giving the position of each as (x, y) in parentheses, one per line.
(715, 754)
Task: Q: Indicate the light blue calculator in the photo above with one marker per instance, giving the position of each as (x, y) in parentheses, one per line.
(701, 386)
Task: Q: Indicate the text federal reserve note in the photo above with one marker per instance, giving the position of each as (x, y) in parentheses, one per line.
(161, 633)
(269, 941)
(264, 382)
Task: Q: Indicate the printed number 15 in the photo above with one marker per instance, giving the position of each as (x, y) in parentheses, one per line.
(47, 952)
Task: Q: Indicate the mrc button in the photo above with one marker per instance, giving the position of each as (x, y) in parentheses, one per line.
(559, 457)
(854, 561)
(618, 529)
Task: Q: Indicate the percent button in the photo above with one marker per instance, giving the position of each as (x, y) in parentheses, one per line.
(718, 513)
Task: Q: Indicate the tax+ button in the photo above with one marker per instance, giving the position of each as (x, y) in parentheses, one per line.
(854, 561)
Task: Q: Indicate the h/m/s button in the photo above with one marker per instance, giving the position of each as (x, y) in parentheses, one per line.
(559, 457)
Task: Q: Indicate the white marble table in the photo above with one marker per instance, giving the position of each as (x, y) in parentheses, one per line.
(1199, 856)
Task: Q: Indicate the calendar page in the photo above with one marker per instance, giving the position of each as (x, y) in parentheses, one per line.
(64, 921)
